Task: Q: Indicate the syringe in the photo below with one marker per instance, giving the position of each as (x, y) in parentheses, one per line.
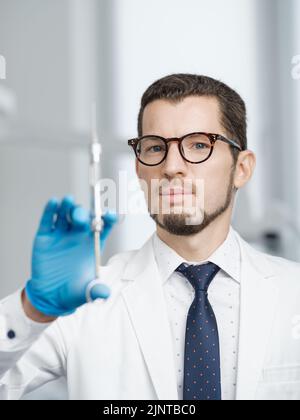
(95, 177)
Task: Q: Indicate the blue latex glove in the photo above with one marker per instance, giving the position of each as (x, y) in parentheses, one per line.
(63, 262)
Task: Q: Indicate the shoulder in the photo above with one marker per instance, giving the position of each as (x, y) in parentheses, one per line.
(286, 270)
(122, 257)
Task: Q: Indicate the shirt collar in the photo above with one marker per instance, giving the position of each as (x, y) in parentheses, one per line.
(227, 257)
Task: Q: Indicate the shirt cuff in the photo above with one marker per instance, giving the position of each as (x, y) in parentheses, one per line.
(17, 331)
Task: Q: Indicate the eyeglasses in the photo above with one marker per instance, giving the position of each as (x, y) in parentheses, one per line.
(194, 147)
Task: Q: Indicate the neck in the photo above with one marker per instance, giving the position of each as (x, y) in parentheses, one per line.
(201, 246)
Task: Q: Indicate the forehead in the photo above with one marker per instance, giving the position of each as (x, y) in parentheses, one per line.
(194, 113)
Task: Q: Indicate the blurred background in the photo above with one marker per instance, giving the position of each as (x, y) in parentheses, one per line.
(61, 55)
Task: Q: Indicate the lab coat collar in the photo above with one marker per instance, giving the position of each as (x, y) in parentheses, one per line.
(259, 299)
(148, 312)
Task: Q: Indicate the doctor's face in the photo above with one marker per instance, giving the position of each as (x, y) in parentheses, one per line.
(189, 196)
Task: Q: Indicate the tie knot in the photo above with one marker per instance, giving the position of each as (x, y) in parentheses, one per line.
(200, 276)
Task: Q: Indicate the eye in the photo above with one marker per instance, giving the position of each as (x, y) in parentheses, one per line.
(154, 149)
(200, 146)
(196, 143)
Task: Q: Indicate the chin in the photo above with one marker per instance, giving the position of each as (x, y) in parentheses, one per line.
(180, 224)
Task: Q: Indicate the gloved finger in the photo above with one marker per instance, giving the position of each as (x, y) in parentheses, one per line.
(64, 211)
(109, 220)
(100, 291)
(80, 218)
(47, 219)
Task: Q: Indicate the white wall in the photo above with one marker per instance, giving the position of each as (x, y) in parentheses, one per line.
(296, 101)
(156, 38)
(37, 153)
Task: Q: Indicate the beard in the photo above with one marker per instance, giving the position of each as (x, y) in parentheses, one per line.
(176, 224)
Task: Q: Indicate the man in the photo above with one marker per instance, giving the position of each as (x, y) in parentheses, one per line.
(196, 313)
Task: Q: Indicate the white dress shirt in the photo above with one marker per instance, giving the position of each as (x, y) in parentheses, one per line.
(224, 297)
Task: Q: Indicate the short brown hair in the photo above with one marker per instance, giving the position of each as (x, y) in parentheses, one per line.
(176, 87)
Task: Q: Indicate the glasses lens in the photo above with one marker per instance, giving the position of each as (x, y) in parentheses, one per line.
(151, 150)
(196, 147)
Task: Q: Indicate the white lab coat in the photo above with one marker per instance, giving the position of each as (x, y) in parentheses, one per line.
(122, 348)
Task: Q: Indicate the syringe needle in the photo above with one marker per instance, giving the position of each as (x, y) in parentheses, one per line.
(95, 189)
(94, 124)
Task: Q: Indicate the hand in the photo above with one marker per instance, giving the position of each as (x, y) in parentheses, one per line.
(63, 262)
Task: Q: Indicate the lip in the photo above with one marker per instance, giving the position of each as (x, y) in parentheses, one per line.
(175, 192)
(176, 197)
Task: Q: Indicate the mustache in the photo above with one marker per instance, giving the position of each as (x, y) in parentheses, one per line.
(184, 186)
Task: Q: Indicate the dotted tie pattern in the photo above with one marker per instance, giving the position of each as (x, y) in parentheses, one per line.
(202, 374)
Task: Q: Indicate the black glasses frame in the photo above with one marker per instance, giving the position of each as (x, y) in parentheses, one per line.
(213, 138)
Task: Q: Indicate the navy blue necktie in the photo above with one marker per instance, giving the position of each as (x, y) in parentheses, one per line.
(202, 373)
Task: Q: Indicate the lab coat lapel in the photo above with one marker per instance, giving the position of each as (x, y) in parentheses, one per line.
(148, 312)
(259, 297)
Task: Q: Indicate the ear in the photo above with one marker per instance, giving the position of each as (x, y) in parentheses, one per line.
(244, 168)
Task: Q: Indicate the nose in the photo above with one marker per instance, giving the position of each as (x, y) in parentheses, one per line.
(174, 164)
